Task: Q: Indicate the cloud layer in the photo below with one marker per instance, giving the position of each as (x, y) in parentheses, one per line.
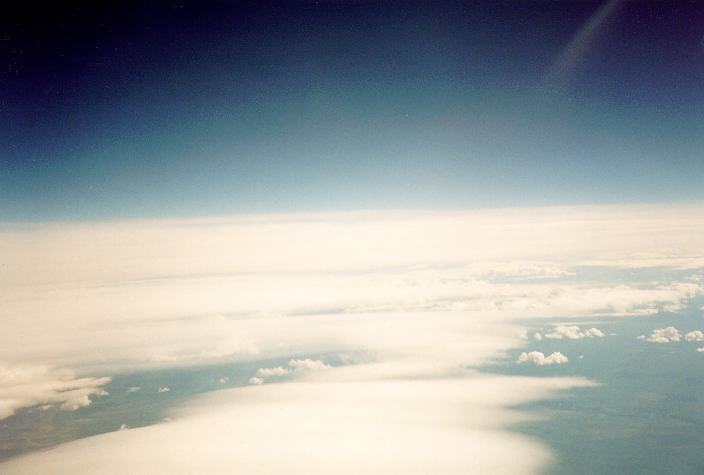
(344, 425)
(414, 300)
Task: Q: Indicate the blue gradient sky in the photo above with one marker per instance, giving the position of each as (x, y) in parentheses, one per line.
(185, 108)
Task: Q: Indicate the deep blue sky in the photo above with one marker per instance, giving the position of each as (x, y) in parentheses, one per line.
(142, 109)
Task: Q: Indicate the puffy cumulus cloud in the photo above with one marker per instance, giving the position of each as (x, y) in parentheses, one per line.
(340, 424)
(308, 365)
(695, 335)
(27, 386)
(164, 389)
(540, 359)
(573, 332)
(672, 334)
(663, 335)
(293, 366)
(272, 372)
(700, 350)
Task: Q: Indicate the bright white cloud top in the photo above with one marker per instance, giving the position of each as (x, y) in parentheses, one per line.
(424, 297)
(294, 367)
(538, 358)
(695, 335)
(672, 335)
(572, 332)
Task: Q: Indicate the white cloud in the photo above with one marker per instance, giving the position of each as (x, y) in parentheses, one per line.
(700, 350)
(133, 389)
(322, 426)
(424, 295)
(164, 389)
(27, 386)
(223, 380)
(695, 335)
(308, 365)
(293, 366)
(663, 335)
(272, 372)
(672, 334)
(123, 427)
(573, 332)
(540, 359)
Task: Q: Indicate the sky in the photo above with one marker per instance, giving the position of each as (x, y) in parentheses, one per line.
(167, 109)
(349, 237)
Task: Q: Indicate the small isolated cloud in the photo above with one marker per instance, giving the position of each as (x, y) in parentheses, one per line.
(293, 366)
(663, 335)
(272, 372)
(124, 427)
(223, 380)
(540, 359)
(133, 389)
(696, 335)
(700, 350)
(307, 365)
(537, 336)
(164, 389)
(573, 332)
